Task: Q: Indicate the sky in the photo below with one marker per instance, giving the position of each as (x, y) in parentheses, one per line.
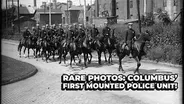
(39, 2)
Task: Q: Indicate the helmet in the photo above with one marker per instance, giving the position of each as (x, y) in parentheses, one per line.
(37, 24)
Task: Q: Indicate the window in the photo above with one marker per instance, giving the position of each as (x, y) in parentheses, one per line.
(154, 4)
(175, 2)
(165, 3)
(117, 7)
(131, 3)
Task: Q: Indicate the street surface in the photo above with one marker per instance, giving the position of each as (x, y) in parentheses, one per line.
(45, 86)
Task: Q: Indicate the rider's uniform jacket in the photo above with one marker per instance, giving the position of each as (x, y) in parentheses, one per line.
(43, 33)
(95, 32)
(54, 31)
(81, 33)
(48, 32)
(70, 34)
(60, 32)
(76, 33)
(106, 31)
(130, 34)
(26, 34)
(37, 32)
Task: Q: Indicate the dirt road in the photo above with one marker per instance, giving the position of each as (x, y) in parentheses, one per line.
(45, 86)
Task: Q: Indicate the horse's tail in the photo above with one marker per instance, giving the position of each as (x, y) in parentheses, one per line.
(19, 46)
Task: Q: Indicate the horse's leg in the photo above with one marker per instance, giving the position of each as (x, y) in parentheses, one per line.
(60, 55)
(20, 49)
(71, 58)
(24, 51)
(79, 57)
(99, 57)
(53, 54)
(42, 54)
(89, 60)
(85, 59)
(138, 65)
(64, 56)
(110, 57)
(120, 64)
(47, 55)
(34, 52)
(105, 56)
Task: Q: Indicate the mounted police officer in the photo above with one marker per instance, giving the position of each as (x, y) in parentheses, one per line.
(75, 29)
(48, 31)
(81, 32)
(26, 34)
(54, 30)
(38, 30)
(129, 37)
(70, 34)
(106, 30)
(95, 31)
(33, 31)
(60, 31)
(43, 32)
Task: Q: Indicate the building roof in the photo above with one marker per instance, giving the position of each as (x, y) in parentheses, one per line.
(46, 11)
(75, 8)
(24, 18)
(26, 10)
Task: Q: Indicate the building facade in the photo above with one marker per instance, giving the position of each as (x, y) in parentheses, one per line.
(127, 9)
(42, 16)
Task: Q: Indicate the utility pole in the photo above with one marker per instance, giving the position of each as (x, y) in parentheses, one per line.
(12, 3)
(6, 14)
(50, 14)
(67, 13)
(138, 11)
(91, 13)
(18, 16)
(85, 13)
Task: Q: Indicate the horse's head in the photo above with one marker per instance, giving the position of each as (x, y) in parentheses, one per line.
(145, 36)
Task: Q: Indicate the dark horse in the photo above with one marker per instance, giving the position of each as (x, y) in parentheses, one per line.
(87, 47)
(109, 44)
(46, 48)
(63, 49)
(74, 50)
(30, 43)
(137, 50)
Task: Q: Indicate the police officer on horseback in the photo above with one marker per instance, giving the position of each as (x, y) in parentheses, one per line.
(130, 37)
(75, 29)
(95, 31)
(38, 30)
(81, 32)
(43, 32)
(70, 34)
(48, 31)
(60, 31)
(106, 30)
(26, 34)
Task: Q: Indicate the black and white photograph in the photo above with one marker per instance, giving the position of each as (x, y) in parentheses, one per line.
(91, 51)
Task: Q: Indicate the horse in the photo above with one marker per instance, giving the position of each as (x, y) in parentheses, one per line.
(110, 43)
(86, 47)
(137, 50)
(63, 50)
(46, 48)
(29, 43)
(54, 45)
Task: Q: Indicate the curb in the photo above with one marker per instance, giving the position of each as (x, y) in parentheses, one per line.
(20, 77)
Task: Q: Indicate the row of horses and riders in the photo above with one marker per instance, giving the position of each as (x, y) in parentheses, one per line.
(78, 41)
